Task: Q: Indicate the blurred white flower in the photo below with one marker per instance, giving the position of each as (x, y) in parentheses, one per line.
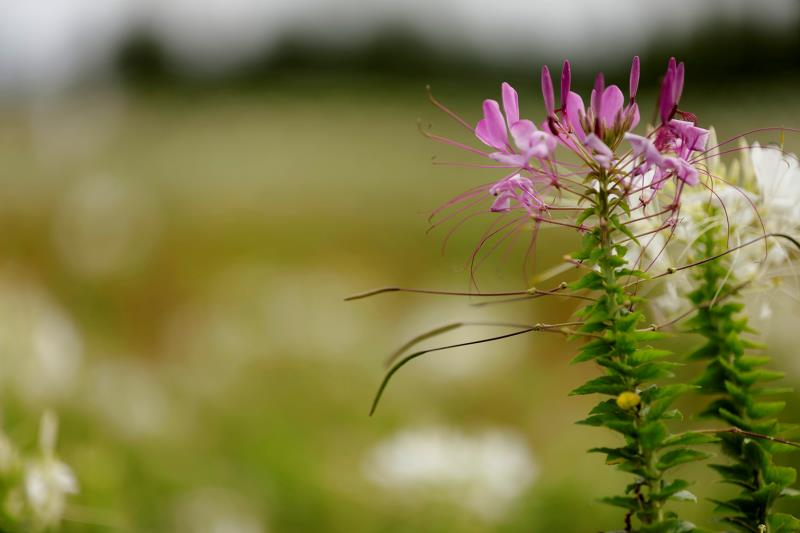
(41, 351)
(106, 226)
(216, 510)
(484, 472)
(128, 397)
(48, 481)
(9, 456)
(671, 301)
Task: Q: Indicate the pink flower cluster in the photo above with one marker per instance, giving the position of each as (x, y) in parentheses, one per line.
(594, 134)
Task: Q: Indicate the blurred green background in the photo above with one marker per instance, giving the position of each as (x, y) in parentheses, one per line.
(174, 256)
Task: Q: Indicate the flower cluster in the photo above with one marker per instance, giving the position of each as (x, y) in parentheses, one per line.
(546, 163)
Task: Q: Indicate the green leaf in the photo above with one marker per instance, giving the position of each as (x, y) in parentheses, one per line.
(782, 475)
(690, 439)
(783, 523)
(670, 489)
(765, 409)
(626, 502)
(736, 472)
(654, 370)
(680, 456)
(592, 280)
(652, 435)
(648, 354)
(586, 213)
(754, 376)
(612, 385)
(590, 350)
(749, 362)
(670, 525)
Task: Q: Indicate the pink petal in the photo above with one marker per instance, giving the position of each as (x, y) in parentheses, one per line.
(666, 98)
(510, 104)
(633, 110)
(695, 138)
(644, 147)
(547, 91)
(634, 81)
(522, 132)
(613, 100)
(491, 130)
(575, 111)
(596, 101)
(603, 153)
(679, 75)
(566, 80)
(502, 203)
(683, 170)
(504, 158)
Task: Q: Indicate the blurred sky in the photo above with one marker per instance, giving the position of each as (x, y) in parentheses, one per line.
(47, 46)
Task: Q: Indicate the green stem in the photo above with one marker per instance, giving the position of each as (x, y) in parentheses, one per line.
(652, 512)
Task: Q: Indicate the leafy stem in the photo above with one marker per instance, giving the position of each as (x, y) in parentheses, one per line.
(638, 407)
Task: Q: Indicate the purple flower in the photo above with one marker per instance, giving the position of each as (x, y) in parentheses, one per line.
(515, 189)
(690, 137)
(607, 116)
(682, 169)
(644, 148)
(494, 128)
(652, 159)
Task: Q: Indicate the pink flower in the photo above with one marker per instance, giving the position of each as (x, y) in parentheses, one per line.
(493, 130)
(515, 189)
(692, 138)
(652, 159)
(682, 169)
(644, 148)
(607, 115)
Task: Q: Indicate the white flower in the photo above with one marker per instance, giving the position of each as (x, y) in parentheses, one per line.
(485, 472)
(778, 179)
(217, 510)
(47, 480)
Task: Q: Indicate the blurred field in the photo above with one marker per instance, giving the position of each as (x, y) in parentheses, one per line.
(183, 256)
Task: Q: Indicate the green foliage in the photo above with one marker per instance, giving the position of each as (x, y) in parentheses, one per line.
(734, 378)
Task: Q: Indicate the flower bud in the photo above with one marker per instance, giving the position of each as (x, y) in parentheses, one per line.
(628, 400)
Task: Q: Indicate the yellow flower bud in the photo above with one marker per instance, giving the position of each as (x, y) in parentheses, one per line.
(628, 400)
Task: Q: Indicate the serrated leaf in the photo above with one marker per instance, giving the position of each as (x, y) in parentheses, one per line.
(626, 502)
(612, 385)
(590, 350)
(782, 475)
(680, 456)
(783, 523)
(690, 439)
(645, 355)
(765, 409)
